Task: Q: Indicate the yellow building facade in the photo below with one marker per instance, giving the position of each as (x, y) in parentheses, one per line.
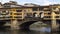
(22, 11)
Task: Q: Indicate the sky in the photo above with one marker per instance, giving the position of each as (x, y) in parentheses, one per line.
(39, 2)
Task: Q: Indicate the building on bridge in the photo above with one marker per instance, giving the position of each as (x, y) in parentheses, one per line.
(11, 11)
(52, 12)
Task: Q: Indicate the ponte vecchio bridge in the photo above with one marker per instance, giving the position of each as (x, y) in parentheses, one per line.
(14, 15)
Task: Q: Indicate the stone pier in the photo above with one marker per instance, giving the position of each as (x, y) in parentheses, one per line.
(53, 22)
(14, 24)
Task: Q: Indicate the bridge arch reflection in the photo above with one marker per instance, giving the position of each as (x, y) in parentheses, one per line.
(26, 25)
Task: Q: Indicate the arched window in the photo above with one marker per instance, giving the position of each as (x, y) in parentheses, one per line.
(35, 15)
(41, 15)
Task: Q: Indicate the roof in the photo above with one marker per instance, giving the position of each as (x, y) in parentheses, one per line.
(55, 5)
(13, 4)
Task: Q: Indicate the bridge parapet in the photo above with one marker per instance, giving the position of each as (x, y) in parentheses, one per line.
(30, 19)
(33, 18)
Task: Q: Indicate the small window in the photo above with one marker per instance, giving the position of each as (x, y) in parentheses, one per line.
(18, 17)
(49, 13)
(18, 10)
(17, 13)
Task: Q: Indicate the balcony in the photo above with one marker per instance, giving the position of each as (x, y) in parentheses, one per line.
(47, 14)
(17, 13)
(17, 17)
(5, 17)
(47, 17)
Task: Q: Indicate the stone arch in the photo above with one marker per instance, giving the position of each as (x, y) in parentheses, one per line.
(25, 25)
(2, 22)
(35, 14)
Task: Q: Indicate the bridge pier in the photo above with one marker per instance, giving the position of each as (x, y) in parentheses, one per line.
(14, 24)
(54, 25)
(53, 22)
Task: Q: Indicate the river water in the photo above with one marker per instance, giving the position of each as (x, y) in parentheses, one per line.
(42, 30)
